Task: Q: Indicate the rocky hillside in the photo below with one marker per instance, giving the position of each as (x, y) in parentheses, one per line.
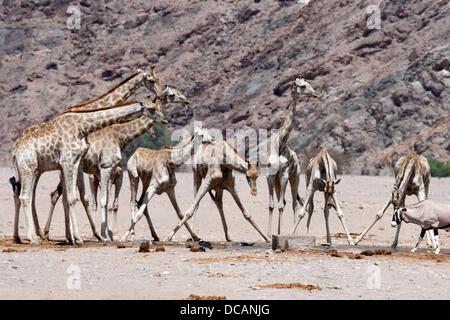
(382, 90)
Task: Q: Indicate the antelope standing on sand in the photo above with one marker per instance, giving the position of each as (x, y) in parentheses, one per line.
(321, 176)
(213, 170)
(156, 170)
(429, 214)
(283, 160)
(103, 160)
(412, 177)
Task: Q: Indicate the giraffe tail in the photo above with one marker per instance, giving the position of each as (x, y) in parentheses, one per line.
(15, 183)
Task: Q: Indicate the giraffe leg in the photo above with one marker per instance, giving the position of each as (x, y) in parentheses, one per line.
(105, 178)
(54, 197)
(340, 215)
(16, 190)
(70, 173)
(34, 212)
(26, 203)
(270, 183)
(204, 188)
(378, 216)
(173, 200)
(86, 204)
(302, 212)
(326, 212)
(293, 182)
(281, 200)
(310, 209)
(93, 185)
(218, 200)
(145, 184)
(149, 193)
(118, 180)
(67, 223)
(246, 215)
(134, 184)
(197, 184)
(155, 236)
(150, 225)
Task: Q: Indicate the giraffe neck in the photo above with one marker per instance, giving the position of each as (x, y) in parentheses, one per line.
(115, 96)
(404, 179)
(233, 159)
(288, 124)
(88, 122)
(329, 170)
(181, 152)
(133, 129)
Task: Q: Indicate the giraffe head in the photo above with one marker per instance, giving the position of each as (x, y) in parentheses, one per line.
(151, 81)
(201, 135)
(172, 95)
(153, 110)
(302, 87)
(252, 174)
(330, 189)
(395, 196)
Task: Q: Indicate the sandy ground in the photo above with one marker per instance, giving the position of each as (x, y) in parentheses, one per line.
(47, 271)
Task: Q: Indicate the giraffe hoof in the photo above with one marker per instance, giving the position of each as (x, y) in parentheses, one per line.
(35, 240)
(413, 249)
(17, 240)
(79, 241)
(98, 238)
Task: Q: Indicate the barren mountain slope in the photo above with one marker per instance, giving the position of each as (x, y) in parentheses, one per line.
(382, 91)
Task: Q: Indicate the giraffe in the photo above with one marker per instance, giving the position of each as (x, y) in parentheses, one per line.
(412, 177)
(102, 160)
(321, 176)
(58, 144)
(122, 91)
(283, 163)
(156, 170)
(214, 166)
(116, 95)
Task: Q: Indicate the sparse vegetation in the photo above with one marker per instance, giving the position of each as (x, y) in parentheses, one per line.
(145, 141)
(439, 168)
